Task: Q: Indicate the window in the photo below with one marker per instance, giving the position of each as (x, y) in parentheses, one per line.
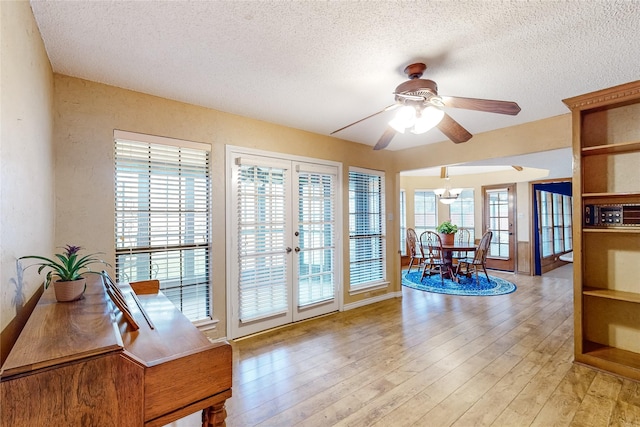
(162, 219)
(403, 223)
(425, 211)
(555, 223)
(366, 228)
(568, 225)
(546, 224)
(498, 213)
(461, 212)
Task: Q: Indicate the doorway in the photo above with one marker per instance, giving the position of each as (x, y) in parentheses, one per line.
(499, 217)
(552, 224)
(283, 241)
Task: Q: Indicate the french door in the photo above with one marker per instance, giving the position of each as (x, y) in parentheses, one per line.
(499, 217)
(283, 242)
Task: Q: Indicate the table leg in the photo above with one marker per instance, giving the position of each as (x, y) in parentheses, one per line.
(214, 416)
(448, 265)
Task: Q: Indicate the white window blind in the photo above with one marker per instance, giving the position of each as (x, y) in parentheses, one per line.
(316, 228)
(262, 249)
(366, 228)
(162, 221)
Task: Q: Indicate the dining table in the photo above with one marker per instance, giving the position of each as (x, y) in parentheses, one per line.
(447, 253)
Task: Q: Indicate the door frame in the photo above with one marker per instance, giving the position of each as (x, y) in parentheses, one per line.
(499, 263)
(537, 267)
(231, 152)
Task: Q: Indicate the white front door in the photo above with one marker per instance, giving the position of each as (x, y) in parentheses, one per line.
(283, 242)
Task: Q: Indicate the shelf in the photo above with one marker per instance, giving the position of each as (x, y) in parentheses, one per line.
(611, 230)
(621, 362)
(611, 195)
(622, 147)
(612, 294)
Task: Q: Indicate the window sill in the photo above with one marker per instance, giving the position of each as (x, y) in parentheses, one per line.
(206, 325)
(368, 288)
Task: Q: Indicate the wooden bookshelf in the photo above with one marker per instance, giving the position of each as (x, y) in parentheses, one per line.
(606, 146)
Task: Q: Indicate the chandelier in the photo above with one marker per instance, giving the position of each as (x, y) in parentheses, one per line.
(447, 195)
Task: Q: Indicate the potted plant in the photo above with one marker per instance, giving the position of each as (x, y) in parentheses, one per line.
(69, 269)
(447, 231)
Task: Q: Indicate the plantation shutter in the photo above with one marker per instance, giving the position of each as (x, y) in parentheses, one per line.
(162, 218)
(366, 228)
(262, 250)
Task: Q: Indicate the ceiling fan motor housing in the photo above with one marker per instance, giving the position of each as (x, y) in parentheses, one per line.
(421, 88)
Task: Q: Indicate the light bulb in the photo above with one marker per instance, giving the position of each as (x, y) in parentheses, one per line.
(427, 119)
(405, 118)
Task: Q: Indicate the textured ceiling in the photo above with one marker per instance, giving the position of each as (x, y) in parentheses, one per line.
(318, 65)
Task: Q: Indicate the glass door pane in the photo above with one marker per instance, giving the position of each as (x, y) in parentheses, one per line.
(316, 241)
(261, 275)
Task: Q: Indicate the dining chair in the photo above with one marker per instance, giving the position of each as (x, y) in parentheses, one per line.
(434, 255)
(479, 260)
(415, 251)
(462, 237)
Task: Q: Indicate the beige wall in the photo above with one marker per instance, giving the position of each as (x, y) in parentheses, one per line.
(26, 155)
(87, 113)
(542, 135)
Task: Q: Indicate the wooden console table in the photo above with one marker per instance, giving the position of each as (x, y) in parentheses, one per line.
(81, 364)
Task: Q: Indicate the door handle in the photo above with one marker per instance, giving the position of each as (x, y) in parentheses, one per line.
(288, 250)
(297, 249)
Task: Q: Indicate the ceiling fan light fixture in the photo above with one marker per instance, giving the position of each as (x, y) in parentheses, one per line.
(404, 118)
(428, 119)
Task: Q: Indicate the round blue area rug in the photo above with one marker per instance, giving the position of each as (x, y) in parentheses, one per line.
(467, 285)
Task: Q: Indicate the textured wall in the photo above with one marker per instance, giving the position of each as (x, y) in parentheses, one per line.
(86, 115)
(80, 172)
(26, 153)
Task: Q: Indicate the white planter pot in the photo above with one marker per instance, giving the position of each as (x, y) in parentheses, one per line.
(70, 290)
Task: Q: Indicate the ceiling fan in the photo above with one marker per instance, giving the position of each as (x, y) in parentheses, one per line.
(420, 109)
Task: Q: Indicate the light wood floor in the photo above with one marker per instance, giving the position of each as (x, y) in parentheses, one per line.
(431, 360)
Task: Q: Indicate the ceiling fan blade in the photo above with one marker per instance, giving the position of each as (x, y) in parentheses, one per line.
(487, 105)
(390, 107)
(385, 139)
(518, 168)
(453, 130)
(443, 172)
